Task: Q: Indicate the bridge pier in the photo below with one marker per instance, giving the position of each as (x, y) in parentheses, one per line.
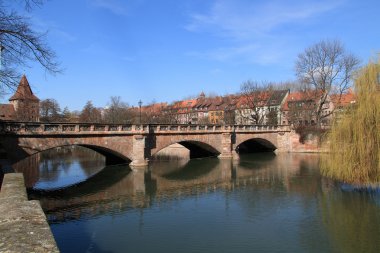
(227, 152)
(235, 155)
(139, 161)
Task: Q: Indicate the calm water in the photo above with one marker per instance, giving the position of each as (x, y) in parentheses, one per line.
(262, 203)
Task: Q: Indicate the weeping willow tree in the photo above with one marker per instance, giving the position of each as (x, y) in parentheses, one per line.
(354, 139)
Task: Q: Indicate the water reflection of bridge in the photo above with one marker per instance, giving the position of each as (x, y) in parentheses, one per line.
(48, 165)
(125, 189)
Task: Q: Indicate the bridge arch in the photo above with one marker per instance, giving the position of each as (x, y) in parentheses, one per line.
(255, 144)
(112, 156)
(58, 161)
(197, 148)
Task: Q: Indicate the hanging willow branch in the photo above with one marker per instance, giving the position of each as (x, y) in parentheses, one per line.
(355, 136)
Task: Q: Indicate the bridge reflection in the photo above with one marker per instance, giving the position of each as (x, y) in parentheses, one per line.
(54, 165)
(117, 188)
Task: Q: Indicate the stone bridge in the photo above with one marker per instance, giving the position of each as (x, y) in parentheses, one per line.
(138, 143)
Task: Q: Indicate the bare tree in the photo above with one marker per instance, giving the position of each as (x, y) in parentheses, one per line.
(50, 111)
(168, 115)
(29, 4)
(117, 111)
(253, 98)
(66, 115)
(292, 86)
(90, 114)
(272, 118)
(20, 45)
(325, 69)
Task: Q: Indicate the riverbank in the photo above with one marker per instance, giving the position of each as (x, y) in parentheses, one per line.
(23, 224)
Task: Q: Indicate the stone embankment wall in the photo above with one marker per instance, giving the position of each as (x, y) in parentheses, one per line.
(23, 224)
(308, 143)
(293, 142)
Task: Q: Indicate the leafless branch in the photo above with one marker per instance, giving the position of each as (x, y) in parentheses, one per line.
(327, 69)
(21, 45)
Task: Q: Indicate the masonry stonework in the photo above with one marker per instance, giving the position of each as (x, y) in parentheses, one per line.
(138, 151)
(23, 224)
(226, 146)
(138, 144)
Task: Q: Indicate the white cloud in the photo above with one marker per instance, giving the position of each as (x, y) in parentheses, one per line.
(53, 30)
(242, 19)
(252, 27)
(65, 36)
(114, 6)
(95, 48)
(245, 53)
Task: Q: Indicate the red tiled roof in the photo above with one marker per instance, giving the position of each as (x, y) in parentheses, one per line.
(184, 104)
(344, 99)
(299, 96)
(24, 91)
(257, 98)
(153, 108)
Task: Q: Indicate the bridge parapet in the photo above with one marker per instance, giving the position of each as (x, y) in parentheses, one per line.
(181, 128)
(28, 128)
(262, 128)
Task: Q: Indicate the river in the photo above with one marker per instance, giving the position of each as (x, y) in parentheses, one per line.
(260, 203)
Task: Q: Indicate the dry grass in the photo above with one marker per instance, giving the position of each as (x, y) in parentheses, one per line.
(355, 136)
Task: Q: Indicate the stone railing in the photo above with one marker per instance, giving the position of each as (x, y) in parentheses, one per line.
(88, 128)
(262, 128)
(68, 128)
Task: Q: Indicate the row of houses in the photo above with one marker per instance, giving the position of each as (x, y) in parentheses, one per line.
(262, 107)
(273, 107)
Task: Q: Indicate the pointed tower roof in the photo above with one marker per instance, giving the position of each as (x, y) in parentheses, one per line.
(24, 91)
(201, 96)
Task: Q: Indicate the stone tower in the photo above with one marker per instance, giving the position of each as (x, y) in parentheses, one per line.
(25, 103)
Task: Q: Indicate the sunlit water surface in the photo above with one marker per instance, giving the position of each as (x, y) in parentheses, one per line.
(261, 203)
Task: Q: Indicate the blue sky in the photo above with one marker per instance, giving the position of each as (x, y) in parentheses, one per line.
(165, 50)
